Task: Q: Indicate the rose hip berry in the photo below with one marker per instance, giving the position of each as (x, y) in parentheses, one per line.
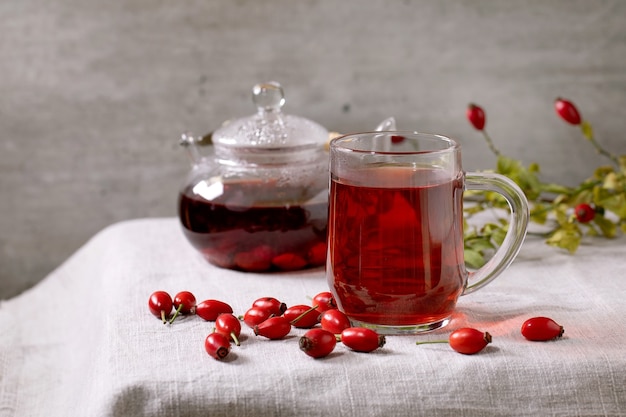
(184, 303)
(273, 328)
(160, 305)
(476, 116)
(289, 262)
(584, 213)
(362, 339)
(469, 341)
(210, 309)
(217, 345)
(302, 316)
(229, 326)
(317, 254)
(334, 321)
(272, 304)
(318, 343)
(540, 329)
(567, 111)
(324, 301)
(465, 340)
(256, 260)
(256, 315)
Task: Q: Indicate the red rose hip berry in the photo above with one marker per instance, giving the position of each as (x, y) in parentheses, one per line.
(256, 315)
(584, 213)
(318, 343)
(184, 303)
(229, 326)
(302, 316)
(273, 328)
(334, 321)
(210, 309)
(289, 262)
(160, 304)
(317, 254)
(469, 341)
(275, 306)
(324, 301)
(362, 339)
(540, 329)
(476, 116)
(217, 345)
(567, 111)
(466, 340)
(256, 260)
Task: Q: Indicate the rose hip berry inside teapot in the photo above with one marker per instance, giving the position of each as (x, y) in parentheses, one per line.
(259, 201)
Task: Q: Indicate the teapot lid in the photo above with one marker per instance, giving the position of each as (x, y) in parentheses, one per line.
(270, 127)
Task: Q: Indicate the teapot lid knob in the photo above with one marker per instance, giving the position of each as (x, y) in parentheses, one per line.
(268, 97)
(270, 127)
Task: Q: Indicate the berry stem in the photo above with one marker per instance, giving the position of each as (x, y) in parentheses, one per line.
(490, 144)
(297, 319)
(573, 192)
(176, 313)
(429, 342)
(600, 149)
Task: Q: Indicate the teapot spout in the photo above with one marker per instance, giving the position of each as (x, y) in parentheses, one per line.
(189, 142)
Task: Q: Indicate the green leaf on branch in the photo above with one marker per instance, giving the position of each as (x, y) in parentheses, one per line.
(539, 213)
(562, 218)
(604, 190)
(473, 258)
(496, 232)
(611, 181)
(608, 228)
(611, 201)
(481, 244)
(602, 171)
(526, 178)
(555, 189)
(567, 238)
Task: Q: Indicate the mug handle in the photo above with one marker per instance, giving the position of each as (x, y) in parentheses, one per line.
(518, 223)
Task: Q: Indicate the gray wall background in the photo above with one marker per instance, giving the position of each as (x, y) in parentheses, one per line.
(94, 94)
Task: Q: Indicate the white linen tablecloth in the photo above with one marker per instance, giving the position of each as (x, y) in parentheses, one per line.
(83, 343)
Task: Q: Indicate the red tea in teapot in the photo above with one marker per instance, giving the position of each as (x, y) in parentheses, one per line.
(238, 230)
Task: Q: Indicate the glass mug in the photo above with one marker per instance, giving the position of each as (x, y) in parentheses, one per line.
(395, 230)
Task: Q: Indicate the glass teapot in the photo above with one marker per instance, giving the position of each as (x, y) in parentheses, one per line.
(259, 201)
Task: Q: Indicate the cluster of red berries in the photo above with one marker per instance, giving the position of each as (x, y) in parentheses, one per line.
(161, 305)
(469, 341)
(270, 318)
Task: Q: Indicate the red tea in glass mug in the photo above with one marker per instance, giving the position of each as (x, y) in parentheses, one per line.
(409, 250)
(395, 229)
